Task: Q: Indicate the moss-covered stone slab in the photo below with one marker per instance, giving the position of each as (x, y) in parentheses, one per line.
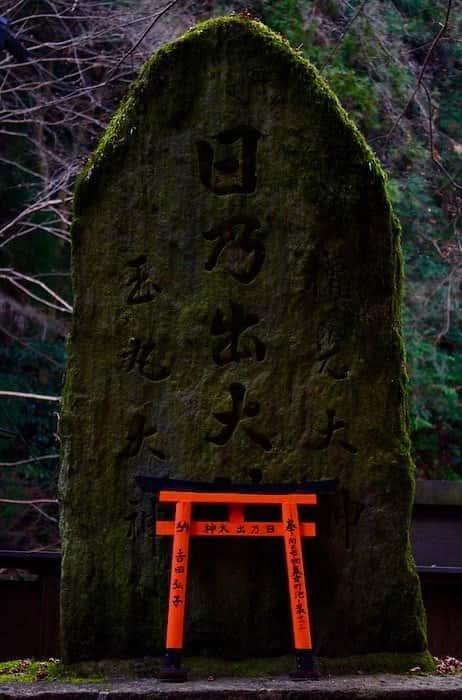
(237, 273)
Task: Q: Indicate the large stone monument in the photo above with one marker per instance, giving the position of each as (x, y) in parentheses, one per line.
(237, 272)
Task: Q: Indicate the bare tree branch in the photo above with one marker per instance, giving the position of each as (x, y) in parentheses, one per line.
(25, 502)
(142, 36)
(34, 397)
(27, 345)
(32, 209)
(43, 514)
(32, 460)
(17, 278)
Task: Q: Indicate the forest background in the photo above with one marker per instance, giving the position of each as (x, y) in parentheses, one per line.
(396, 66)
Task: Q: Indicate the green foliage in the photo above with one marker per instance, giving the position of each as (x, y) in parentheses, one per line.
(449, 120)
(283, 17)
(355, 93)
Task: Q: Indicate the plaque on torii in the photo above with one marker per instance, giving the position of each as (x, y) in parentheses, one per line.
(185, 494)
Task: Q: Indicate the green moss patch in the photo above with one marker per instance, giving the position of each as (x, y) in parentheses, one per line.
(28, 671)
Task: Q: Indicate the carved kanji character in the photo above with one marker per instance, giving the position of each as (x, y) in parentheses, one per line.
(142, 287)
(328, 342)
(141, 356)
(241, 408)
(136, 519)
(138, 432)
(232, 346)
(328, 435)
(229, 166)
(243, 253)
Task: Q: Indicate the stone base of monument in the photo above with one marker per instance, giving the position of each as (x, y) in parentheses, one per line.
(372, 687)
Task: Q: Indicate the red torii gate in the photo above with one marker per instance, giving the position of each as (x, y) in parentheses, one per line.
(184, 494)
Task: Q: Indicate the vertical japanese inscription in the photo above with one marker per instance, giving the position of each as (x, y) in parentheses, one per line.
(229, 167)
(178, 576)
(296, 575)
(141, 355)
(177, 586)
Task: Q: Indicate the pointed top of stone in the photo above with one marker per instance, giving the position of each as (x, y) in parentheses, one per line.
(178, 71)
